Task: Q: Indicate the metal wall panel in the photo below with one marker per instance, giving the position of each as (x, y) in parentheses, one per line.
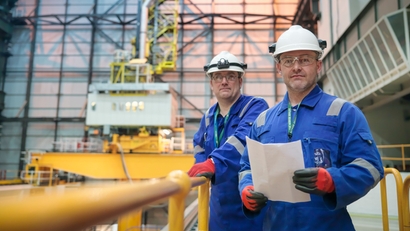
(40, 136)
(367, 21)
(10, 143)
(386, 7)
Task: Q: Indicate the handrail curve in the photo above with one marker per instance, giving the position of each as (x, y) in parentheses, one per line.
(83, 207)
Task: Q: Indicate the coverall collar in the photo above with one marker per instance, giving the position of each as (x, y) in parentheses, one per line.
(234, 108)
(309, 101)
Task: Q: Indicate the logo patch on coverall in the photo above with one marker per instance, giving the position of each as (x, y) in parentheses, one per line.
(322, 158)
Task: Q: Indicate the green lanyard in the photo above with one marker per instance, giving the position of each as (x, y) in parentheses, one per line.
(291, 124)
(217, 137)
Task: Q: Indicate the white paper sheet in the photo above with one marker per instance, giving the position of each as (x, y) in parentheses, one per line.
(272, 167)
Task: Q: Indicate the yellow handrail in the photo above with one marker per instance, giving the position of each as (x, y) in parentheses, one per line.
(176, 201)
(403, 158)
(399, 188)
(203, 207)
(406, 213)
(86, 206)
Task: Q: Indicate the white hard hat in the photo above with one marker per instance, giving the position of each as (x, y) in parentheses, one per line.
(297, 38)
(225, 61)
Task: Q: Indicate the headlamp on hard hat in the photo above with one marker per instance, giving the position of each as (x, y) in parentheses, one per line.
(224, 64)
(322, 43)
(272, 48)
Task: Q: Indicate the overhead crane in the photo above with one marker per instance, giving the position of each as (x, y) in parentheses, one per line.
(133, 130)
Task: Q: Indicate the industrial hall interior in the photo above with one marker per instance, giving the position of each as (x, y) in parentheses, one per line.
(100, 102)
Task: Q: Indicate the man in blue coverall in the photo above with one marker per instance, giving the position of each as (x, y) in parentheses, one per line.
(342, 163)
(220, 141)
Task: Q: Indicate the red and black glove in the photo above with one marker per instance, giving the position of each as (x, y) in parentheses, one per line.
(313, 180)
(254, 201)
(206, 169)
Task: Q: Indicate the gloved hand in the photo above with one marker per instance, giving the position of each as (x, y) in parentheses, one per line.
(254, 201)
(206, 169)
(313, 180)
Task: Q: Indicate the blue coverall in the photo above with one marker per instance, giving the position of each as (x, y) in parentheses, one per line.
(225, 203)
(337, 140)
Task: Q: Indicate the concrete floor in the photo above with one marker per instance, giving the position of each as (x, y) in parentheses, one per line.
(373, 223)
(361, 222)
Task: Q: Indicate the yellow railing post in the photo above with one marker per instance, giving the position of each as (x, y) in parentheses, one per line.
(385, 212)
(177, 201)
(403, 162)
(50, 179)
(130, 221)
(203, 206)
(406, 215)
(399, 189)
(203, 201)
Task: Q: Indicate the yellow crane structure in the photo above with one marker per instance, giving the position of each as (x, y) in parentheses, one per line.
(132, 130)
(163, 35)
(133, 127)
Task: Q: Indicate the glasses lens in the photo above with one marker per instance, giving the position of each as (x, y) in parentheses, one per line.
(219, 78)
(304, 60)
(288, 62)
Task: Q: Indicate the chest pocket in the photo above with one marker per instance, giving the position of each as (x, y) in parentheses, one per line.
(320, 143)
(326, 123)
(209, 136)
(320, 147)
(265, 137)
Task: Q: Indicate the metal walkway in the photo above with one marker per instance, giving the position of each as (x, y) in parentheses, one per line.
(375, 71)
